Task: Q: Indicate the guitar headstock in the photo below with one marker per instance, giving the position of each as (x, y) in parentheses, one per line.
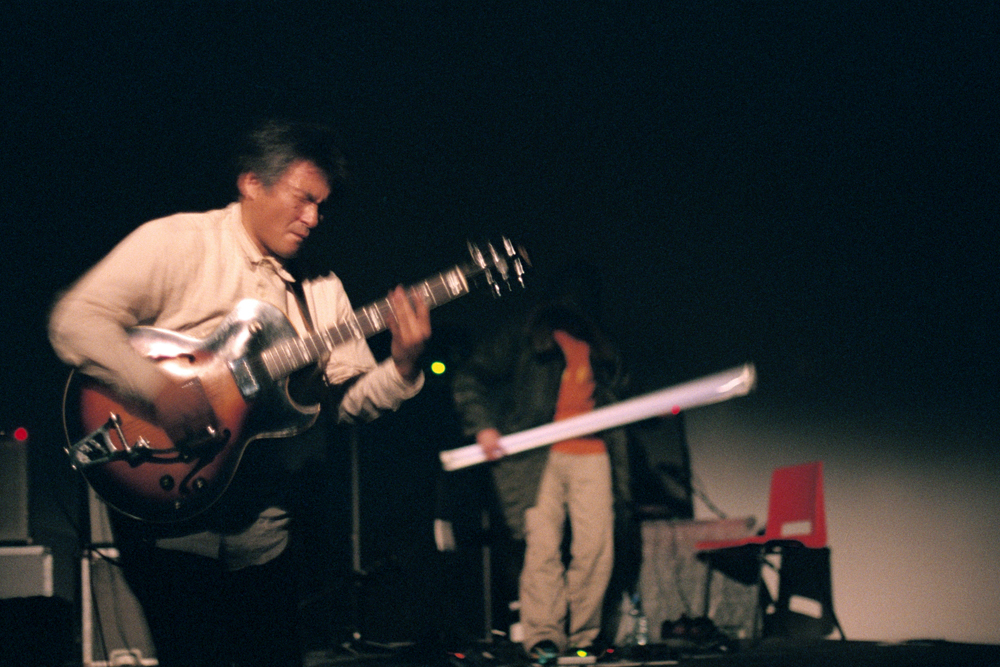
(502, 267)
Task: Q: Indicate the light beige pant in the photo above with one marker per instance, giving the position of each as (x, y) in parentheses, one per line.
(578, 486)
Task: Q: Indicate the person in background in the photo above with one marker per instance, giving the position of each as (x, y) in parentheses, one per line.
(554, 364)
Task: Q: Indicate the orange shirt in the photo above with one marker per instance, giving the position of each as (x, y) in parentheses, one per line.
(576, 393)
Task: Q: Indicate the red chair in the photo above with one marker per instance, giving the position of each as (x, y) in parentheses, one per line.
(795, 531)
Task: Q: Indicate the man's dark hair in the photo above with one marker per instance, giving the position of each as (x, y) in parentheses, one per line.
(275, 145)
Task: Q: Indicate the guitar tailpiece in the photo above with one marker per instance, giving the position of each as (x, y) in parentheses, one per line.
(94, 448)
(97, 448)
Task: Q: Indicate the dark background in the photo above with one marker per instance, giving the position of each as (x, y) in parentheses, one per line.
(811, 186)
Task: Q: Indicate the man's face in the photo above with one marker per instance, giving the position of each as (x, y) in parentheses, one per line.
(279, 217)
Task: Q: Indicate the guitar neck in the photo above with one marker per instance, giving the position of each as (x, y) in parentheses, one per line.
(293, 354)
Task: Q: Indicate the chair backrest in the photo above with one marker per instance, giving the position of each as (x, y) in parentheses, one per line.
(795, 509)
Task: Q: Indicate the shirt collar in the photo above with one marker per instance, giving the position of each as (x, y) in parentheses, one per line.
(253, 254)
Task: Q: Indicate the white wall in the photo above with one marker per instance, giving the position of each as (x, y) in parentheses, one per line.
(912, 502)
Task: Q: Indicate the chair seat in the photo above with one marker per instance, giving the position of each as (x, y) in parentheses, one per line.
(714, 545)
(740, 561)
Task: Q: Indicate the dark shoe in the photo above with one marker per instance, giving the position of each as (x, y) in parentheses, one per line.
(694, 633)
(544, 653)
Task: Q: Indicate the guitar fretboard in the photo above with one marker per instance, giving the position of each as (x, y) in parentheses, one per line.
(291, 354)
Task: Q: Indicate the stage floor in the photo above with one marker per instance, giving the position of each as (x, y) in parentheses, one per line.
(770, 653)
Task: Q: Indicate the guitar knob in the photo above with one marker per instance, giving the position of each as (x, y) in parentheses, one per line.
(167, 482)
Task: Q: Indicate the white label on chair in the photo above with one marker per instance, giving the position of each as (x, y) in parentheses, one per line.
(793, 528)
(805, 606)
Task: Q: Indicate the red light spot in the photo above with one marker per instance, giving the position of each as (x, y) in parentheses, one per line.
(21, 434)
(676, 409)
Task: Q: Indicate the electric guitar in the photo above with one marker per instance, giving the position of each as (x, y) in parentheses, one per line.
(243, 367)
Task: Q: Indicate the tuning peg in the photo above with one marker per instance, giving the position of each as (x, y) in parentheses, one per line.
(476, 254)
(519, 260)
(500, 267)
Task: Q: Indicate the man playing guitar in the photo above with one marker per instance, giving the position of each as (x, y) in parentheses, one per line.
(216, 585)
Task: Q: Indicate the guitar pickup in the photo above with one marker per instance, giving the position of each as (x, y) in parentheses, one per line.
(246, 382)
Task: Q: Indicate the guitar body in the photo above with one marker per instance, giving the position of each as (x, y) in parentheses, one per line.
(243, 368)
(138, 470)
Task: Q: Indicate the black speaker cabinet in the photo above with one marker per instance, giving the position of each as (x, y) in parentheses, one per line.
(14, 494)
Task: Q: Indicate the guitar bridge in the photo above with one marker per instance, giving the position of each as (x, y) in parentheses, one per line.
(97, 447)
